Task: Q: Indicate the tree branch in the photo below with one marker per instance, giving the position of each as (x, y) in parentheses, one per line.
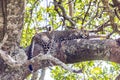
(64, 15)
(76, 50)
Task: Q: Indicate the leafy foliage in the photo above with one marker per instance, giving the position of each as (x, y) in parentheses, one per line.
(92, 70)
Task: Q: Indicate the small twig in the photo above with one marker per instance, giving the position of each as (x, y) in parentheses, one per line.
(116, 13)
(31, 11)
(64, 15)
(93, 16)
(108, 36)
(86, 12)
(101, 27)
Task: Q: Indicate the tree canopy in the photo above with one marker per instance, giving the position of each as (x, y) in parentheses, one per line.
(98, 17)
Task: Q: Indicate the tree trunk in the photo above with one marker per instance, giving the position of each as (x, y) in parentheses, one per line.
(11, 23)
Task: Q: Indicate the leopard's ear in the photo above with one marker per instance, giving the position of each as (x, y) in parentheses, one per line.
(85, 34)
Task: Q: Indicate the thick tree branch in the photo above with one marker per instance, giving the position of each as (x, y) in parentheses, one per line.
(82, 50)
(85, 50)
(76, 51)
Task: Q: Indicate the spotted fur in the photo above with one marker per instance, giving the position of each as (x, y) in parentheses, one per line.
(43, 40)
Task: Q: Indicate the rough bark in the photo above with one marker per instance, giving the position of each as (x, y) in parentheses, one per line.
(2, 18)
(11, 23)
